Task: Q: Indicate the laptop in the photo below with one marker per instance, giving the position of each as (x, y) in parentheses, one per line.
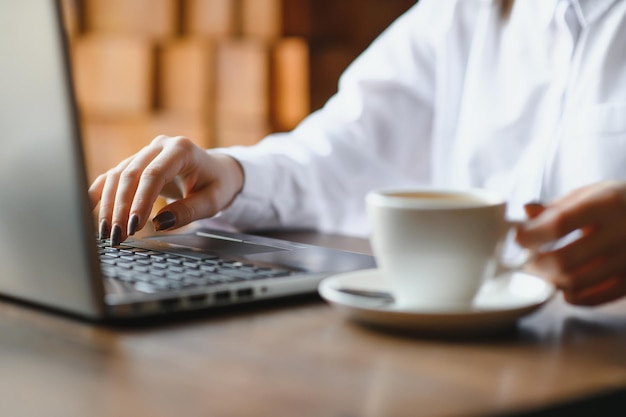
(49, 254)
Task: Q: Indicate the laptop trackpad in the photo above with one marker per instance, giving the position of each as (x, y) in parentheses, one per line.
(316, 259)
(216, 245)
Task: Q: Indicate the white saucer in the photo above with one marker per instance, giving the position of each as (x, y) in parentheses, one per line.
(499, 303)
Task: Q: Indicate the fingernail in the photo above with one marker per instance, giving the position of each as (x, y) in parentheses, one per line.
(132, 224)
(164, 221)
(534, 204)
(534, 209)
(539, 221)
(104, 230)
(116, 235)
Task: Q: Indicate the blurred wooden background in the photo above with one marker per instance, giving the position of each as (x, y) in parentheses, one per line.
(222, 72)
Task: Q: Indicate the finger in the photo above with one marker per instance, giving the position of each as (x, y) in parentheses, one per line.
(184, 211)
(563, 280)
(589, 206)
(107, 199)
(126, 188)
(592, 244)
(595, 272)
(175, 159)
(607, 291)
(533, 209)
(95, 190)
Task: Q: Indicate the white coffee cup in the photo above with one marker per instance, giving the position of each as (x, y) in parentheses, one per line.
(437, 247)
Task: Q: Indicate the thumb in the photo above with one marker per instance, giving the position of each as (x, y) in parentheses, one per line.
(534, 209)
(184, 211)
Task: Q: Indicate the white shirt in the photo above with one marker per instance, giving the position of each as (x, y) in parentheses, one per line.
(453, 95)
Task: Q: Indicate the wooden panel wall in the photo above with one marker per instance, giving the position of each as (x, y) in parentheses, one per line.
(222, 72)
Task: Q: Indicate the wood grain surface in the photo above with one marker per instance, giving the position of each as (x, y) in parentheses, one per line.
(299, 357)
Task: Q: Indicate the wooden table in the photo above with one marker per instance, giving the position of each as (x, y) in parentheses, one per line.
(300, 358)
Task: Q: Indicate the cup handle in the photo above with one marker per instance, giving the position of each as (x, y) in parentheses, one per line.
(507, 266)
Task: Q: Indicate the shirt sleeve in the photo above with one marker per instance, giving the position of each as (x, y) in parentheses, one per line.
(374, 132)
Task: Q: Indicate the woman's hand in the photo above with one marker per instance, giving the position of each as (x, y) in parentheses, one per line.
(202, 182)
(590, 270)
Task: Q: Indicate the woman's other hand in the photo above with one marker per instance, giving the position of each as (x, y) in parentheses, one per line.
(591, 269)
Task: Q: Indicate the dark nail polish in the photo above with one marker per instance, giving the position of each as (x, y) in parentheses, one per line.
(132, 224)
(534, 205)
(164, 221)
(116, 235)
(104, 230)
(533, 209)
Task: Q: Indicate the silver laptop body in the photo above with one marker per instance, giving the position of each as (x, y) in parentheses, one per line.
(48, 252)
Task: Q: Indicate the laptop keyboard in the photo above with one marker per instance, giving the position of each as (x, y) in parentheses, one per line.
(151, 271)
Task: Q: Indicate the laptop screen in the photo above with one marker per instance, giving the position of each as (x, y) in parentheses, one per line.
(46, 237)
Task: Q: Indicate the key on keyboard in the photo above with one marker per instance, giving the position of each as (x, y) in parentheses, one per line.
(152, 271)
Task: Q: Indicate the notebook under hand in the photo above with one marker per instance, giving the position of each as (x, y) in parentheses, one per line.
(48, 253)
